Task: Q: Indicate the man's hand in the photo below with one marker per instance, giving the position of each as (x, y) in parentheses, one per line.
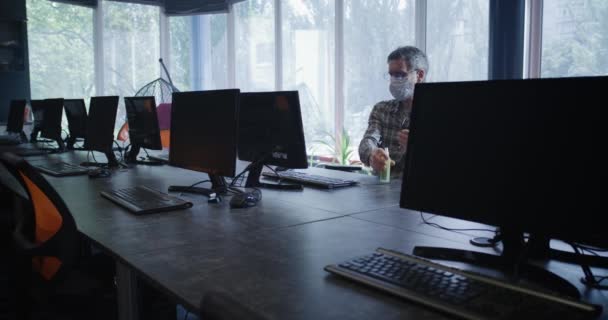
(378, 159)
(402, 136)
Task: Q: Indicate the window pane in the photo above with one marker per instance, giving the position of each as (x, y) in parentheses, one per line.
(254, 45)
(131, 47)
(180, 54)
(199, 47)
(308, 55)
(575, 41)
(60, 50)
(457, 39)
(372, 29)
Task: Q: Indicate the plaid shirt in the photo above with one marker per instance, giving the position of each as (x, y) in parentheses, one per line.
(385, 121)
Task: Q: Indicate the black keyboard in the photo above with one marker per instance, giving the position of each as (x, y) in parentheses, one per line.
(60, 169)
(30, 152)
(10, 139)
(464, 294)
(162, 157)
(143, 200)
(310, 179)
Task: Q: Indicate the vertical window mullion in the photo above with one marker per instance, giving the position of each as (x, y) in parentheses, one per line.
(420, 24)
(278, 45)
(339, 72)
(534, 41)
(163, 23)
(231, 30)
(165, 42)
(98, 48)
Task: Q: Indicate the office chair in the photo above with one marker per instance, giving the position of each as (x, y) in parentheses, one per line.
(44, 235)
(217, 305)
(48, 233)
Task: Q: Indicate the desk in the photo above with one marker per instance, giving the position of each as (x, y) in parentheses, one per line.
(269, 257)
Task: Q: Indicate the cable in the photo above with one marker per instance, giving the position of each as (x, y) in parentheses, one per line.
(433, 224)
(195, 184)
(120, 151)
(590, 248)
(275, 173)
(590, 279)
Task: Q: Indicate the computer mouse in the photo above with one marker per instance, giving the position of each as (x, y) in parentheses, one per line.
(98, 173)
(243, 200)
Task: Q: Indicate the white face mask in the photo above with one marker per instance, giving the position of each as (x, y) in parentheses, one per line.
(401, 88)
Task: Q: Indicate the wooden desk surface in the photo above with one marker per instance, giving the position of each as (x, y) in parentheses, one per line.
(270, 257)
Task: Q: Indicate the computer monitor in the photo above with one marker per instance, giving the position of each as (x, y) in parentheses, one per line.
(38, 113)
(523, 155)
(144, 131)
(51, 121)
(15, 116)
(271, 133)
(204, 126)
(76, 113)
(100, 127)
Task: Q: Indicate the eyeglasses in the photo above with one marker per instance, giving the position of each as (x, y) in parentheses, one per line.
(398, 75)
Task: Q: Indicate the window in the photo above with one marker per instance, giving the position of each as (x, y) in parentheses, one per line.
(180, 54)
(308, 54)
(254, 45)
(199, 48)
(60, 50)
(457, 39)
(131, 40)
(372, 30)
(575, 42)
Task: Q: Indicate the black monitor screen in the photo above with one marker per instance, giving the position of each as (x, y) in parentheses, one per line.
(143, 122)
(51, 121)
(100, 123)
(270, 127)
(517, 153)
(15, 116)
(76, 113)
(204, 131)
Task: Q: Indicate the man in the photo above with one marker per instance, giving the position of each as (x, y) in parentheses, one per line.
(389, 120)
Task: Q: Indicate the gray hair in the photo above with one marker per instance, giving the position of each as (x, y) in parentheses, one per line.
(414, 57)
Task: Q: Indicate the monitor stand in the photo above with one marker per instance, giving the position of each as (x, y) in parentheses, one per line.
(60, 146)
(253, 179)
(23, 137)
(112, 162)
(218, 186)
(131, 157)
(34, 134)
(70, 141)
(512, 260)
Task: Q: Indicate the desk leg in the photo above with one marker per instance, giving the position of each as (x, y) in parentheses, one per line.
(128, 298)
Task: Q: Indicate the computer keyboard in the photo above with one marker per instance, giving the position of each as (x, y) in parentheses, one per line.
(60, 169)
(456, 292)
(143, 200)
(9, 140)
(163, 157)
(310, 179)
(28, 152)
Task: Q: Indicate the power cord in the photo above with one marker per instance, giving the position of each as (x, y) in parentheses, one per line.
(194, 185)
(589, 279)
(435, 225)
